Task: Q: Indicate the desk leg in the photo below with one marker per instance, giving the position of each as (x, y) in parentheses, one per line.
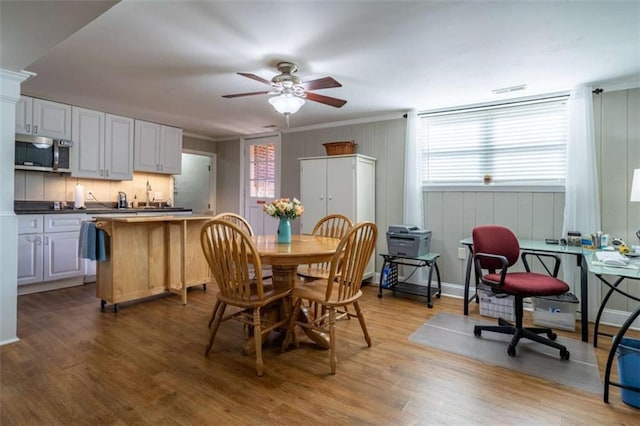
(596, 325)
(467, 281)
(429, 302)
(384, 264)
(435, 264)
(584, 299)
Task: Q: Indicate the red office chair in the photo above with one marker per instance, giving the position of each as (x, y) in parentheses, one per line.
(495, 249)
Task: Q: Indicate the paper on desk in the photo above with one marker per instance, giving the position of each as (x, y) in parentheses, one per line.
(629, 266)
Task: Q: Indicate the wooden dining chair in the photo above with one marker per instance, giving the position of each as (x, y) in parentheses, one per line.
(237, 220)
(243, 224)
(229, 252)
(340, 289)
(334, 226)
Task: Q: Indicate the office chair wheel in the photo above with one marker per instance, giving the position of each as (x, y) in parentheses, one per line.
(551, 335)
(477, 331)
(511, 350)
(564, 354)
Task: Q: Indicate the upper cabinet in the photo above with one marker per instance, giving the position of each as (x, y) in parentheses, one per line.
(103, 145)
(158, 148)
(43, 118)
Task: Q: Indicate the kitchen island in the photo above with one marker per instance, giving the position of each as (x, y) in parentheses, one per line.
(149, 255)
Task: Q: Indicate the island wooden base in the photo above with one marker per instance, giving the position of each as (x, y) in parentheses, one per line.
(149, 255)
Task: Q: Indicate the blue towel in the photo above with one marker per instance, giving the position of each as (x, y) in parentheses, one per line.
(92, 244)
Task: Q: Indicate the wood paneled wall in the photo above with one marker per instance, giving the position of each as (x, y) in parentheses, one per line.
(617, 122)
(228, 176)
(451, 215)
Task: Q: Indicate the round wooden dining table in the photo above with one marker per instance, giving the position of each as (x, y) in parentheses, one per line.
(285, 258)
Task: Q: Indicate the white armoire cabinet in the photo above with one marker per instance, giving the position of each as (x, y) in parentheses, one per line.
(339, 184)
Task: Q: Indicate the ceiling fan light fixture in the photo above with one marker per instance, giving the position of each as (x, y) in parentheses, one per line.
(286, 103)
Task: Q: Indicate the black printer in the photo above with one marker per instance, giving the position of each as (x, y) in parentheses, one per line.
(408, 241)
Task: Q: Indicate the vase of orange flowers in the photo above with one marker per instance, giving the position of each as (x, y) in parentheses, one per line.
(284, 209)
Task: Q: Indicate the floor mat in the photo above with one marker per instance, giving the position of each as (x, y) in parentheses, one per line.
(454, 333)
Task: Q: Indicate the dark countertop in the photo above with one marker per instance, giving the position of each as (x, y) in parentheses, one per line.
(43, 207)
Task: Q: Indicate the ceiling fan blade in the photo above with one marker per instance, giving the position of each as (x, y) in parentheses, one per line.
(321, 83)
(328, 100)
(255, 77)
(237, 95)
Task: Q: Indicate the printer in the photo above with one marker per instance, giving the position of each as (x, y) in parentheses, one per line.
(408, 240)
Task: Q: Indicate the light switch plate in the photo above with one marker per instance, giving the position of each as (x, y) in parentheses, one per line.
(158, 196)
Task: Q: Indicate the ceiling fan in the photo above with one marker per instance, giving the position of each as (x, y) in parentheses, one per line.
(290, 92)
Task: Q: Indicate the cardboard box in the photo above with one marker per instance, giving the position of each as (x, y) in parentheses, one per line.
(496, 306)
(556, 311)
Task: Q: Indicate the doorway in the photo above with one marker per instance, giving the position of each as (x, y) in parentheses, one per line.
(195, 188)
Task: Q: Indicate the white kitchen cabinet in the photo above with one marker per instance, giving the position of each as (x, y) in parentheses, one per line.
(43, 118)
(103, 145)
(48, 247)
(170, 150)
(340, 184)
(157, 148)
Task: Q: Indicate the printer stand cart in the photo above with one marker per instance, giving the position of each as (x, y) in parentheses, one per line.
(392, 261)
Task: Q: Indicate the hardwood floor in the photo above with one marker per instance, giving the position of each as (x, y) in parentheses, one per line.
(144, 365)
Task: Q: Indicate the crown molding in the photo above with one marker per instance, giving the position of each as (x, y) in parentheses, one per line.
(386, 117)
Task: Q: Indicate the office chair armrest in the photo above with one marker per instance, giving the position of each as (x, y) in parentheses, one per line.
(556, 264)
(477, 257)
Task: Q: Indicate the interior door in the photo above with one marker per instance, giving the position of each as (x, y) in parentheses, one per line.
(261, 181)
(193, 188)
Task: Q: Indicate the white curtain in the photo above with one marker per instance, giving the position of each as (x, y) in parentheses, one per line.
(582, 203)
(413, 214)
(413, 207)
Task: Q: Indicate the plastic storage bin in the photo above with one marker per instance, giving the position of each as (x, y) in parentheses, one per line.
(628, 354)
(556, 311)
(496, 306)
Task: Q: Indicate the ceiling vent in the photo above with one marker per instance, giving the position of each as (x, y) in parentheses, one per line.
(509, 89)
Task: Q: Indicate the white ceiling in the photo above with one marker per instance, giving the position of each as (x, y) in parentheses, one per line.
(172, 61)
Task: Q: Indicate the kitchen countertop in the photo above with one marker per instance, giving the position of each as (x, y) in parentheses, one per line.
(37, 207)
(145, 219)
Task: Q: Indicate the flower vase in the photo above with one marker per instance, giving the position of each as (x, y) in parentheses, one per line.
(284, 231)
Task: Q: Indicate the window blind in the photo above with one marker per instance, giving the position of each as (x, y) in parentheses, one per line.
(522, 143)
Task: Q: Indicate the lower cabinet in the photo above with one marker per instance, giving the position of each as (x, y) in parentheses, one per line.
(48, 247)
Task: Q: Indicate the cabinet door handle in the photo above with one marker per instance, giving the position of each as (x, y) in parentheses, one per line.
(101, 172)
(322, 197)
(35, 130)
(330, 197)
(107, 173)
(38, 241)
(28, 127)
(46, 241)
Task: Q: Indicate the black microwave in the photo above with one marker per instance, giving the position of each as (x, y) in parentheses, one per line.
(42, 154)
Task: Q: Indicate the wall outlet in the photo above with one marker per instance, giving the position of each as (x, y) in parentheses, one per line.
(158, 196)
(462, 253)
